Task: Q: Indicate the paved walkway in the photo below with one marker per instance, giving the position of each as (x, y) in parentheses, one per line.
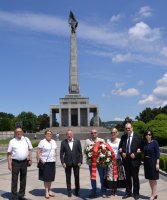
(35, 188)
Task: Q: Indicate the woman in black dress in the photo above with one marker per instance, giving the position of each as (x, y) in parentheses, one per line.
(151, 162)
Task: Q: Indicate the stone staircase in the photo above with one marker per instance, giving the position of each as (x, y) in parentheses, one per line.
(81, 133)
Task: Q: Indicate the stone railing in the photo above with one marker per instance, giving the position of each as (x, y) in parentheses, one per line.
(6, 134)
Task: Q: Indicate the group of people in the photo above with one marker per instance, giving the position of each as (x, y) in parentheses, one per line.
(127, 151)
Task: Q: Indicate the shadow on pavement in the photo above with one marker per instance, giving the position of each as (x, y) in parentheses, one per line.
(7, 195)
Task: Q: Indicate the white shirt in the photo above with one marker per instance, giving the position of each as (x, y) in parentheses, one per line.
(70, 143)
(48, 150)
(19, 148)
(115, 146)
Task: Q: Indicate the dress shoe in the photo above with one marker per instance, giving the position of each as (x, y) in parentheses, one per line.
(69, 194)
(22, 198)
(136, 197)
(126, 196)
(77, 194)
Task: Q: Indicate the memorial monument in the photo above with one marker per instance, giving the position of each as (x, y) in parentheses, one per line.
(73, 109)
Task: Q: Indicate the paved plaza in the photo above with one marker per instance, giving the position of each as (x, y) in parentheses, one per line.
(35, 188)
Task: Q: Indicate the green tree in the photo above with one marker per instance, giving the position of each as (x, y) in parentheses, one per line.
(29, 121)
(7, 121)
(43, 121)
(147, 115)
(139, 127)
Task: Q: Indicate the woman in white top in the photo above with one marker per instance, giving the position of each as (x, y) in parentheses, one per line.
(110, 182)
(46, 153)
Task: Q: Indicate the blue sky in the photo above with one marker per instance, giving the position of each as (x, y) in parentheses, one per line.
(122, 54)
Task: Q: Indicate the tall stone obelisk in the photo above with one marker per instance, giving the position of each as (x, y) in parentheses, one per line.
(74, 109)
(73, 75)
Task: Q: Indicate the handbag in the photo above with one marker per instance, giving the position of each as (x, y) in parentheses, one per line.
(40, 164)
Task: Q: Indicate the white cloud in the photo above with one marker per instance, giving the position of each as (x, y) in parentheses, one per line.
(144, 12)
(121, 57)
(139, 43)
(119, 84)
(142, 31)
(128, 92)
(159, 95)
(164, 51)
(140, 83)
(115, 18)
(118, 119)
(36, 22)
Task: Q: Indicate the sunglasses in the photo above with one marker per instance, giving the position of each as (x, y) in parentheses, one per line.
(149, 134)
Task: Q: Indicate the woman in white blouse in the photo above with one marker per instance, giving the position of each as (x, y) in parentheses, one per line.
(110, 182)
(46, 153)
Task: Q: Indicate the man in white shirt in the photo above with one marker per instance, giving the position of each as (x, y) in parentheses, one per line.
(100, 170)
(19, 156)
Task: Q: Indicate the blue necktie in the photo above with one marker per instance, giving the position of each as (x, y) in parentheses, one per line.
(128, 145)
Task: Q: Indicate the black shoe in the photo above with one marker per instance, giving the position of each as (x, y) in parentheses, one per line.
(22, 198)
(69, 194)
(77, 194)
(126, 196)
(136, 197)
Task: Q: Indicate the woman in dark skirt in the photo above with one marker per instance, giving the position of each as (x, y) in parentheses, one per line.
(46, 158)
(151, 162)
(110, 183)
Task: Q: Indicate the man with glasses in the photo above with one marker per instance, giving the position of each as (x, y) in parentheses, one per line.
(130, 150)
(93, 139)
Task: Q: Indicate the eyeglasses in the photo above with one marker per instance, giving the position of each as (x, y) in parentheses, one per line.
(113, 132)
(127, 128)
(93, 132)
(149, 134)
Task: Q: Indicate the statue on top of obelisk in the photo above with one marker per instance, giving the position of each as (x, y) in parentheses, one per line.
(73, 22)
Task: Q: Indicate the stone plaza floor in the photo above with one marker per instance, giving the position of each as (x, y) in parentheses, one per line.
(35, 188)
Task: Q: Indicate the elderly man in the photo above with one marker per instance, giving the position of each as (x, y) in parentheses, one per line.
(93, 139)
(130, 149)
(71, 157)
(19, 156)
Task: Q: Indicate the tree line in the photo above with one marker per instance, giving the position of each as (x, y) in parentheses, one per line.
(27, 120)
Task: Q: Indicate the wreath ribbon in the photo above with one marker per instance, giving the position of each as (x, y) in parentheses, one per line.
(94, 161)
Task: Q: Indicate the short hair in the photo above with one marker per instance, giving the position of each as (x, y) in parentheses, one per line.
(48, 131)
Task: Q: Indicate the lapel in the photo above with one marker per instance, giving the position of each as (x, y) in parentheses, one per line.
(68, 146)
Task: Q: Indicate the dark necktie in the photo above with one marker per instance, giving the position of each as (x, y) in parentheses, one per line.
(128, 145)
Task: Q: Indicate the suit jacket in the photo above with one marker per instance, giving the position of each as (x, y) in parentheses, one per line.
(136, 145)
(68, 156)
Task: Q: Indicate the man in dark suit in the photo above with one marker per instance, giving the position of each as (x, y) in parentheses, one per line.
(130, 149)
(71, 157)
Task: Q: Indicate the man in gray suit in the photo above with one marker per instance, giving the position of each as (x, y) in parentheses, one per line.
(71, 157)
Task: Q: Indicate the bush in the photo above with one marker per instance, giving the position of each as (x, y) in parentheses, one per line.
(163, 162)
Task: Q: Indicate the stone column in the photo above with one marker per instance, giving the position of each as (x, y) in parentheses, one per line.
(73, 79)
(60, 120)
(88, 119)
(96, 117)
(69, 116)
(79, 117)
(50, 117)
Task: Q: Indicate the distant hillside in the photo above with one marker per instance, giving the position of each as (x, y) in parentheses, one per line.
(111, 124)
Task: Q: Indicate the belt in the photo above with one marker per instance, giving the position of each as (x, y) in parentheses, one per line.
(147, 157)
(19, 161)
